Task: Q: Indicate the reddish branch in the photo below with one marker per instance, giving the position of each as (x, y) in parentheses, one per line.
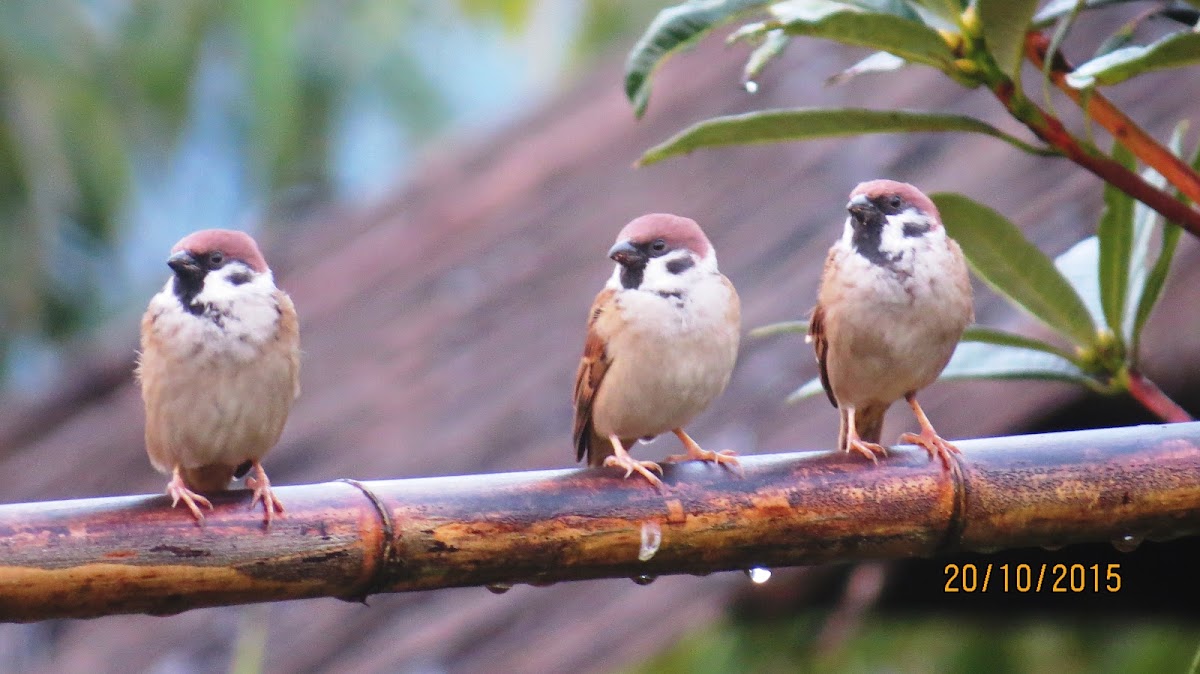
(1051, 130)
(1124, 129)
(1152, 398)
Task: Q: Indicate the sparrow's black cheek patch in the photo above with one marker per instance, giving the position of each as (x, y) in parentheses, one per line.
(186, 287)
(239, 278)
(681, 265)
(915, 229)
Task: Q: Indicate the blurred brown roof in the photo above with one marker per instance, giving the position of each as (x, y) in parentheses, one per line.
(442, 327)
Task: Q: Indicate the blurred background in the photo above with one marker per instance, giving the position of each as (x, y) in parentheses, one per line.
(436, 184)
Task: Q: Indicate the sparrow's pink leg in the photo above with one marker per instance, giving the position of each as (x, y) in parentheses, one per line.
(929, 439)
(726, 457)
(257, 480)
(621, 459)
(867, 449)
(178, 490)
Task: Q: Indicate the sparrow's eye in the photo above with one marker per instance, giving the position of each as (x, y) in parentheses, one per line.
(216, 259)
(895, 201)
(658, 246)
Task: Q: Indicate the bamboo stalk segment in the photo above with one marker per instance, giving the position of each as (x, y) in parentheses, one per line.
(348, 539)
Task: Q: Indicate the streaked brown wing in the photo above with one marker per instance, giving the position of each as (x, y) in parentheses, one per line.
(816, 330)
(592, 368)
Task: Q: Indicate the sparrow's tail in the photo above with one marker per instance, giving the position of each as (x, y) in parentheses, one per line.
(868, 421)
(208, 479)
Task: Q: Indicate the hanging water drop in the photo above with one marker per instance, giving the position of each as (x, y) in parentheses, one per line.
(644, 579)
(651, 539)
(758, 575)
(1127, 543)
(751, 86)
(498, 588)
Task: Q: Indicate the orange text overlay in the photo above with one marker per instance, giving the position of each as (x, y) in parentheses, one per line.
(1024, 578)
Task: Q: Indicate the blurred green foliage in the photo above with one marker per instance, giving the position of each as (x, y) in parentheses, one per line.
(918, 644)
(126, 123)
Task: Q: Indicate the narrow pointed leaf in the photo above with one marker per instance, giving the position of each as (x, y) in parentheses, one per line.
(773, 126)
(978, 360)
(674, 28)
(1080, 265)
(784, 328)
(1004, 24)
(879, 62)
(1115, 234)
(1146, 221)
(1178, 49)
(1059, 8)
(774, 44)
(1014, 267)
(811, 388)
(982, 334)
(1158, 274)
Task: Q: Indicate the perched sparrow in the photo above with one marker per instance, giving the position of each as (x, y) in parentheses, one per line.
(894, 300)
(661, 343)
(219, 368)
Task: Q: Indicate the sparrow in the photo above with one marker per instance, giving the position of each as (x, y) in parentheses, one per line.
(219, 369)
(894, 300)
(662, 339)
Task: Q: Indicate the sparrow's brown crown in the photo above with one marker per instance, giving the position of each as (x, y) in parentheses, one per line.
(874, 190)
(675, 231)
(232, 244)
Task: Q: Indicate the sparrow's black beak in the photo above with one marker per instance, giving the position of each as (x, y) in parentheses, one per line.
(625, 254)
(184, 263)
(860, 209)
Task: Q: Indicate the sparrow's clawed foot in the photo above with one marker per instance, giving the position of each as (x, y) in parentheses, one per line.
(725, 457)
(928, 437)
(178, 490)
(258, 481)
(871, 450)
(621, 459)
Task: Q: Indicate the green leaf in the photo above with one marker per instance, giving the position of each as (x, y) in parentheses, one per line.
(784, 328)
(772, 126)
(909, 39)
(948, 10)
(674, 28)
(1158, 273)
(811, 388)
(1080, 265)
(1116, 243)
(979, 360)
(1004, 24)
(774, 44)
(1172, 51)
(979, 333)
(879, 62)
(1146, 221)
(1014, 267)
(1059, 8)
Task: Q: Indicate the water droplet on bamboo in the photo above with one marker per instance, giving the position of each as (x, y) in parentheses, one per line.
(1127, 543)
(644, 579)
(498, 588)
(758, 575)
(751, 86)
(651, 540)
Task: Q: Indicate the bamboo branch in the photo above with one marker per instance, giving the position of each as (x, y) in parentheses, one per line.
(346, 539)
(1117, 123)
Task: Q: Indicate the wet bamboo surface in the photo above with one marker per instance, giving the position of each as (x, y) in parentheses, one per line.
(349, 539)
